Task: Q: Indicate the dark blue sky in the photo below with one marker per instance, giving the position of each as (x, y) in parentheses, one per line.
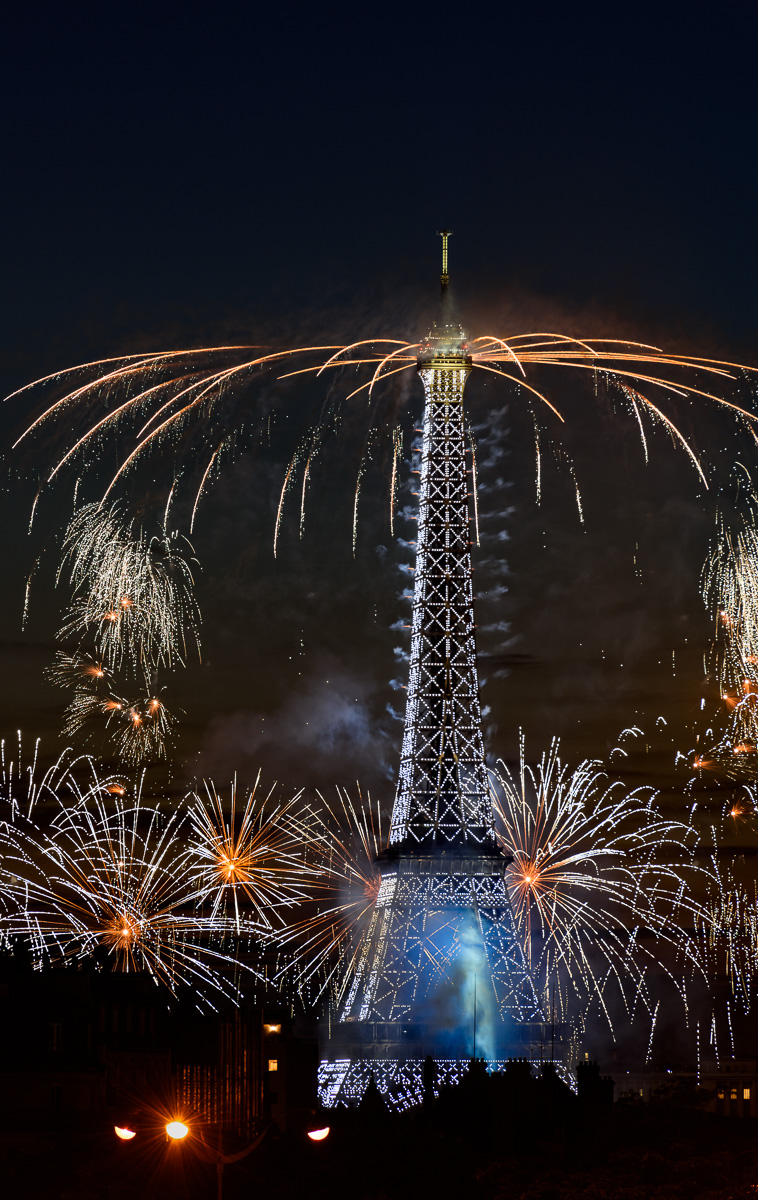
(188, 161)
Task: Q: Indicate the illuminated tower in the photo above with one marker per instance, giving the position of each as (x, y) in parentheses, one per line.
(442, 971)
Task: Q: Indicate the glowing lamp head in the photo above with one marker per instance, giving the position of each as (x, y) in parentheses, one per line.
(318, 1135)
(177, 1130)
(125, 1134)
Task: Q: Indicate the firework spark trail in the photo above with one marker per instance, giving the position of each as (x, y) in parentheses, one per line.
(324, 947)
(138, 730)
(110, 877)
(730, 592)
(728, 929)
(592, 865)
(131, 594)
(171, 409)
(397, 458)
(250, 852)
(729, 936)
(23, 788)
(133, 601)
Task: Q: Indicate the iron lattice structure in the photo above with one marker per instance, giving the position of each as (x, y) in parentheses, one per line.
(442, 797)
(442, 923)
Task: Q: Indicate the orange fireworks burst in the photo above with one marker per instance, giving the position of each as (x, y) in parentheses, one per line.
(149, 399)
(589, 863)
(250, 855)
(117, 881)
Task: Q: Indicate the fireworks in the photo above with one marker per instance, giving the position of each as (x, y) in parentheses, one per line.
(345, 841)
(161, 401)
(251, 854)
(66, 781)
(110, 878)
(729, 936)
(137, 730)
(728, 930)
(133, 596)
(594, 866)
(730, 590)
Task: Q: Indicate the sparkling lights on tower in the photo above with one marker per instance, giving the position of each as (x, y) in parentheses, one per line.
(442, 971)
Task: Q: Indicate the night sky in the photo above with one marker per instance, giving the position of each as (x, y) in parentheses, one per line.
(183, 174)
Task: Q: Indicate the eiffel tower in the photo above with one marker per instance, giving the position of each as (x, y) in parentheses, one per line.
(442, 971)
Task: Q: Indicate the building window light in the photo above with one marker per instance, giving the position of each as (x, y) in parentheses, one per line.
(746, 1093)
(273, 1064)
(733, 1094)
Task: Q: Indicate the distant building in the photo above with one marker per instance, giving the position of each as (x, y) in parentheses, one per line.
(729, 1088)
(78, 1047)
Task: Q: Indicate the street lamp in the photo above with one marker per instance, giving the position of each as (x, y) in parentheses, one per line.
(318, 1135)
(176, 1130)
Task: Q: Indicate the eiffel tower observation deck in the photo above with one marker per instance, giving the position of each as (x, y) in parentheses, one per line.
(442, 971)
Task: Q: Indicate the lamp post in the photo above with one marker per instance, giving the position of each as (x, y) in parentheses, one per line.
(178, 1131)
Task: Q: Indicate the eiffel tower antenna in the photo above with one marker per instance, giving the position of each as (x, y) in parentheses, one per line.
(445, 234)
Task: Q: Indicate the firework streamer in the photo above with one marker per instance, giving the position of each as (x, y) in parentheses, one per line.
(730, 592)
(109, 879)
(324, 947)
(133, 602)
(133, 596)
(592, 864)
(138, 730)
(397, 458)
(166, 402)
(250, 853)
(652, 1034)
(24, 787)
(728, 930)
